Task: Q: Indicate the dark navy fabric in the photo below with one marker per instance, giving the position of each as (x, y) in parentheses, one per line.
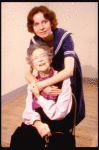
(64, 47)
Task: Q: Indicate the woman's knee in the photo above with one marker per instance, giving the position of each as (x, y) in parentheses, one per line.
(26, 136)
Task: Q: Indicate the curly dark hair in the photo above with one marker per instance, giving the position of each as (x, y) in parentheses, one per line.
(48, 14)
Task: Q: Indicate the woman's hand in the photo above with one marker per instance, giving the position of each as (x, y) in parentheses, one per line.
(34, 89)
(52, 90)
(42, 128)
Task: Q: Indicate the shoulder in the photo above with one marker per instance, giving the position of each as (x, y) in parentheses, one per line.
(60, 35)
(59, 32)
(67, 82)
(55, 72)
(35, 39)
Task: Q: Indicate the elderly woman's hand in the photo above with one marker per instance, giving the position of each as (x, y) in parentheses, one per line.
(34, 90)
(42, 128)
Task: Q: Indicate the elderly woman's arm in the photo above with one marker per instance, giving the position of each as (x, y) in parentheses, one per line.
(29, 115)
(28, 73)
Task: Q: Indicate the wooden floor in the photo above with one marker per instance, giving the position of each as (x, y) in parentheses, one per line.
(86, 131)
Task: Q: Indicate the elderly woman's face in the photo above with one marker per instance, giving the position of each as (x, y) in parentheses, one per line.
(41, 61)
(41, 26)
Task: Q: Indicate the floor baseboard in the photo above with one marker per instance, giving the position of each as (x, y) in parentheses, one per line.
(18, 92)
(13, 94)
(91, 81)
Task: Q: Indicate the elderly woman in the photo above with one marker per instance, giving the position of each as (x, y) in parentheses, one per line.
(45, 114)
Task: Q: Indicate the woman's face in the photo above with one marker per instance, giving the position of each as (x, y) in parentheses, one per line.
(41, 61)
(41, 26)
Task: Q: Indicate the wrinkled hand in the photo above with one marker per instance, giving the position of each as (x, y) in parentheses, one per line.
(42, 128)
(52, 90)
(34, 90)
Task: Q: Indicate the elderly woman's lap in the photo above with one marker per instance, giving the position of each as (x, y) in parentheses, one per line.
(26, 136)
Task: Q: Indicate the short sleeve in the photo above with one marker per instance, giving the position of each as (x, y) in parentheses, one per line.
(68, 47)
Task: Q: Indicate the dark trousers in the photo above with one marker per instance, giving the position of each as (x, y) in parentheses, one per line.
(26, 136)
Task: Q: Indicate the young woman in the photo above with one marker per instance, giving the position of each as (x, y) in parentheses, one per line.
(43, 23)
(45, 114)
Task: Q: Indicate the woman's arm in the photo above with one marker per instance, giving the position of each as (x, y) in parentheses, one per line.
(28, 73)
(52, 91)
(66, 73)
